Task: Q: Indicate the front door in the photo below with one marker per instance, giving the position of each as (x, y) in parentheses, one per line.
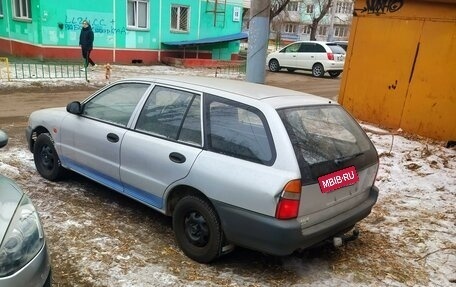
(90, 142)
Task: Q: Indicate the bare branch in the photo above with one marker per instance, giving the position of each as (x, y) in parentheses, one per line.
(277, 6)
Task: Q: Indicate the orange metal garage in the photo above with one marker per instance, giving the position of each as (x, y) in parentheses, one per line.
(400, 70)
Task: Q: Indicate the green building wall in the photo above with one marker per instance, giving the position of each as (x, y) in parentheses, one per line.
(58, 24)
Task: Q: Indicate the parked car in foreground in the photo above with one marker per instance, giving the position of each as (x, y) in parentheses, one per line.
(233, 163)
(316, 56)
(24, 260)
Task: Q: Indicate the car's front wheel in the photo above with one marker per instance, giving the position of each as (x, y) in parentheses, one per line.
(46, 159)
(318, 70)
(197, 229)
(334, 74)
(274, 65)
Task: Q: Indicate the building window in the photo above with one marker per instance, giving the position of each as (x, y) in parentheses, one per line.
(138, 11)
(322, 30)
(22, 9)
(344, 8)
(179, 18)
(292, 6)
(309, 9)
(306, 30)
(290, 28)
(1, 9)
(340, 31)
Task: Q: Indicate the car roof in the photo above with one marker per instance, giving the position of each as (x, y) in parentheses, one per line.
(273, 95)
(318, 42)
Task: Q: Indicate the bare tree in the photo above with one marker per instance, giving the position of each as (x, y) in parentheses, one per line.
(318, 13)
(277, 6)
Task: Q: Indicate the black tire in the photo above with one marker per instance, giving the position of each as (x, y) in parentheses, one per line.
(334, 74)
(291, 70)
(197, 229)
(318, 70)
(47, 161)
(274, 65)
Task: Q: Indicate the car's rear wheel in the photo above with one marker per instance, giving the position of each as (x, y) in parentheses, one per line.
(318, 70)
(46, 159)
(334, 74)
(274, 65)
(197, 229)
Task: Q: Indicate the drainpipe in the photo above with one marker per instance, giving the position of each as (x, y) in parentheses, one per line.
(7, 19)
(115, 34)
(159, 30)
(199, 28)
(258, 41)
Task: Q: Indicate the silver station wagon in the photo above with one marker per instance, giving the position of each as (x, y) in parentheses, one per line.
(233, 163)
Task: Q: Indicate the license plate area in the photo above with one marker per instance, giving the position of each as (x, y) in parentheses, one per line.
(335, 180)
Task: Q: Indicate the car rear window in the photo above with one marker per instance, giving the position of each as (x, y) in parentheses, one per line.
(336, 49)
(326, 139)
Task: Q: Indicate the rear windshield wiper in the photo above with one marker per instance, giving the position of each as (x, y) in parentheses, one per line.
(345, 158)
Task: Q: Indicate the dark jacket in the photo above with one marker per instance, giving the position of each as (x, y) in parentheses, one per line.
(86, 38)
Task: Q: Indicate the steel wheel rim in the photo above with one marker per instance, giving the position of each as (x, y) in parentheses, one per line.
(47, 157)
(196, 229)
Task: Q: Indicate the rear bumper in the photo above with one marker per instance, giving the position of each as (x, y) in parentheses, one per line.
(282, 237)
(334, 66)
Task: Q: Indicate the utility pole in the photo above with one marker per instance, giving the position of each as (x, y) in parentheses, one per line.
(331, 21)
(258, 41)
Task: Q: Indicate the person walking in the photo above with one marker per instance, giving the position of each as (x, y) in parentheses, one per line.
(86, 43)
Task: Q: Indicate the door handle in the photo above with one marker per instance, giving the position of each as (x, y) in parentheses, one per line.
(177, 157)
(112, 137)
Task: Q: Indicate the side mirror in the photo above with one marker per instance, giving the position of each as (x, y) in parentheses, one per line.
(3, 139)
(74, 108)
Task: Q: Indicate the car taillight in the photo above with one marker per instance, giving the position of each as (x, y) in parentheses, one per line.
(288, 206)
(330, 56)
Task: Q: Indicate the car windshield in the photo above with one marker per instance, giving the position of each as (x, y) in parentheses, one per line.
(336, 49)
(323, 137)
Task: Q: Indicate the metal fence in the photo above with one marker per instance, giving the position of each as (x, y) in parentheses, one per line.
(234, 69)
(11, 71)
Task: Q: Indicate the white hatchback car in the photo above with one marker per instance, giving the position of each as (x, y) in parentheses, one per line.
(234, 163)
(315, 56)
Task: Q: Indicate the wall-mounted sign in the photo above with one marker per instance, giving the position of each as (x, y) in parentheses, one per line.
(236, 14)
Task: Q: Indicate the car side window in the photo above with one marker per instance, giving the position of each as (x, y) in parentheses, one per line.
(115, 104)
(238, 130)
(319, 48)
(172, 114)
(306, 48)
(293, 48)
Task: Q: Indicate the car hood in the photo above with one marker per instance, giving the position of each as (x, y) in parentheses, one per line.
(10, 196)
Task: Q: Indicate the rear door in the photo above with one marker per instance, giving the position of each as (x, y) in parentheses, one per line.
(338, 162)
(309, 55)
(165, 142)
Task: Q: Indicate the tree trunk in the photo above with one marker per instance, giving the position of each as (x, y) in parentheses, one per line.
(313, 29)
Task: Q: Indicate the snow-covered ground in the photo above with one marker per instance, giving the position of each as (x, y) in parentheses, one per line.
(408, 240)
